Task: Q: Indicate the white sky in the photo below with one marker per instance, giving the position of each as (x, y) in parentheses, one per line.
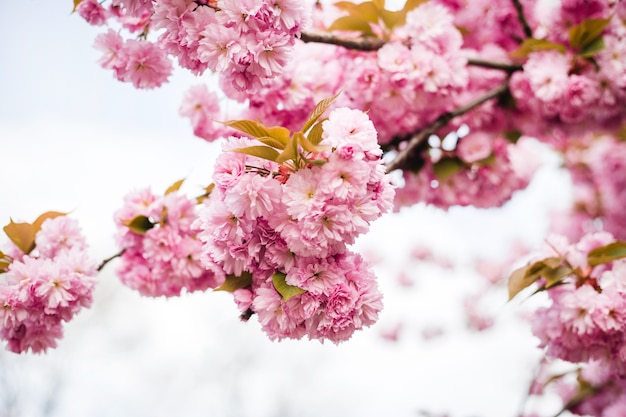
(74, 139)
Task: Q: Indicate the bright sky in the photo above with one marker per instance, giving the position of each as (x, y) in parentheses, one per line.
(74, 139)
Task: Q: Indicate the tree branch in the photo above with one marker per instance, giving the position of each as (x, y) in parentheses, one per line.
(522, 19)
(109, 259)
(358, 44)
(369, 44)
(418, 138)
(504, 66)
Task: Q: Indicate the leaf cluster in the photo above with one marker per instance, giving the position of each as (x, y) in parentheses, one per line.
(585, 39)
(280, 145)
(555, 270)
(362, 17)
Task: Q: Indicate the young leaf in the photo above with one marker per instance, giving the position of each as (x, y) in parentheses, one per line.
(22, 235)
(366, 11)
(76, 3)
(315, 134)
(352, 23)
(207, 192)
(285, 290)
(586, 33)
(174, 187)
(264, 152)
(140, 224)
(308, 146)
(318, 111)
(533, 45)
(447, 167)
(259, 130)
(608, 253)
(269, 141)
(549, 268)
(45, 216)
(593, 48)
(290, 152)
(233, 283)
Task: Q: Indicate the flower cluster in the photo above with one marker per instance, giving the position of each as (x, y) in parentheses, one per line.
(481, 171)
(161, 255)
(247, 42)
(586, 320)
(280, 230)
(141, 63)
(403, 86)
(45, 287)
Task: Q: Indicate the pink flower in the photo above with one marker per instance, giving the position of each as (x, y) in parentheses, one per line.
(474, 147)
(144, 64)
(93, 12)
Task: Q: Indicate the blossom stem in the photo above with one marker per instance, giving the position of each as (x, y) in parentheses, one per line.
(416, 139)
(109, 259)
(522, 19)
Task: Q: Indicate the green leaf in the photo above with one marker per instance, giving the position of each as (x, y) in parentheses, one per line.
(447, 167)
(140, 224)
(609, 253)
(352, 23)
(586, 33)
(534, 45)
(259, 130)
(318, 111)
(285, 290)
(233, 282)
(513, 135)
(174, 187)
(593, 48)
(264, 152)
(22, 235)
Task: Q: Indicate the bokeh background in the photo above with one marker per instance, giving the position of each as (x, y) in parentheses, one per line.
(74, 139)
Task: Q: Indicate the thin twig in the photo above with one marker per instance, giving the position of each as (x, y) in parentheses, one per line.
(109, 259)
(418, 138)
(504, 66)
(358, 44)
(522, 18)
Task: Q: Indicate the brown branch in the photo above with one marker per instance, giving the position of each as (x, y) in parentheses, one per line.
(504, 66)
(358, 44)
(109, 259)
(522, 19)
(374, 44)
(418, 138)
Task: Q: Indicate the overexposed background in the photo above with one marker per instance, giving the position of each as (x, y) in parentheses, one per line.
(74, 139)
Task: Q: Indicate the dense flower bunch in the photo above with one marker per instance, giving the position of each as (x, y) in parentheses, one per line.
(586, 319)
(45, 285)
(481, 171)
(281, 230)
(402, 86)
(161, 255)
(248, 42)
